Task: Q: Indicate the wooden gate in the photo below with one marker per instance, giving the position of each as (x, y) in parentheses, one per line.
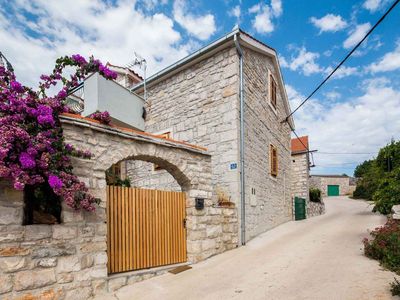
(146, 228)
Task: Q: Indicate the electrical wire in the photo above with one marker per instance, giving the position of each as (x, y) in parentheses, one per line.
(346, 153)
(342, 62)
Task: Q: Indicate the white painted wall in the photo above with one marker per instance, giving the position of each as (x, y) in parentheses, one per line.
(106, 95)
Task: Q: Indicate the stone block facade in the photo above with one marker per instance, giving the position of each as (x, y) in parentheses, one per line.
(315, 208)
(268, 197)
(301, 184)
(300, 176)
(200, 104)
(63, 261)
(145, 175)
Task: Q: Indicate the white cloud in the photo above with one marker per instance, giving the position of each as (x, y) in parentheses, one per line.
(201, 27)
(276, 6)
(152, 4)
(111, 32)
(264, 15)
(255, 8)
(356, 35)
(333, 95)
(361, 124)
(235, 12)
(329, 22)
(374, 5)
(389, 62)
(282, 61)
(305, 61)
(342, 72)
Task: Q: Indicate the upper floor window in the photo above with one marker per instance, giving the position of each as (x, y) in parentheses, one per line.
(273, 154)
(272, 90)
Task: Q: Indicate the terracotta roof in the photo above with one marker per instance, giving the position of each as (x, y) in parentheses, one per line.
(297, 144)
(133, 131)
(126, 69)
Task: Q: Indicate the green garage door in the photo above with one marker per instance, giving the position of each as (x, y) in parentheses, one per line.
(333, 190)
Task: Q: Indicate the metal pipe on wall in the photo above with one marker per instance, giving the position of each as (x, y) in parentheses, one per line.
(242, 169)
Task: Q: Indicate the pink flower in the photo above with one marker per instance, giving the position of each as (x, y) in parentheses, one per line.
(19, 186)
(27, 161)
(16, 86)
(55, 182)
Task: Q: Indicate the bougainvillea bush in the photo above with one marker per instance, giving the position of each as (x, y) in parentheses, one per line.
(32, 147)
(384, 245)
(103, 117)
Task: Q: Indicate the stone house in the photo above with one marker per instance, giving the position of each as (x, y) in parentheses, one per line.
(301, 165)
(230, 98)
(333, 185)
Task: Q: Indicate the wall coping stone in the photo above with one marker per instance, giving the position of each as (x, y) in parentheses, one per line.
(78, 120)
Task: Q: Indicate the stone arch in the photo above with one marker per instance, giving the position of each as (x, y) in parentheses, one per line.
(181, 178)
(190, 166)
(181, 165)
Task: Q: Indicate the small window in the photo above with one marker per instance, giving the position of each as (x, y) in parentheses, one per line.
(273, 153)
(272, 90)
(113, 174)
(166, 135)
(41, 205)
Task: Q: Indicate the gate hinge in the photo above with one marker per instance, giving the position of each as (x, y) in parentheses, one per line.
(184, 223)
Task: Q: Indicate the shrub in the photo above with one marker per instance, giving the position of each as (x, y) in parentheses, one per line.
(384, 245)
(102, 117)
(33, 152)
(387, 193)
(395, 287)
(315, 195)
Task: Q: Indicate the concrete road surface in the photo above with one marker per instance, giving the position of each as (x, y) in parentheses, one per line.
(317, 258)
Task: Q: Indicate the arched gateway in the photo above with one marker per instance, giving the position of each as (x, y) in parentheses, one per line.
(190, 166)
(73, 258)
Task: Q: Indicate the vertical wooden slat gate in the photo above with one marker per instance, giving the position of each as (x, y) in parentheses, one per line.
(146, 228)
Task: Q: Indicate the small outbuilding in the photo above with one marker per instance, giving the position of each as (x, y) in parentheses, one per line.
(333, 185)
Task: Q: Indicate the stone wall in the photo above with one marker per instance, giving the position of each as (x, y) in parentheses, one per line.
(144, 175)
(315, 208)
(50, 261)
(69, 260)
(190, 168)
(200, 105)
(300, 176)
(301, 184)
(322, 183)
(268, 198)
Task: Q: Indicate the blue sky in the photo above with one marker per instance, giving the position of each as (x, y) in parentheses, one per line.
(357, 112)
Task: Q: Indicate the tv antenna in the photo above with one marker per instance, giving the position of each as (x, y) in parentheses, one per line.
(4, 62)
(142, 63)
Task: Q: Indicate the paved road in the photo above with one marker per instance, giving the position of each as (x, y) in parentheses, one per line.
(318, 258)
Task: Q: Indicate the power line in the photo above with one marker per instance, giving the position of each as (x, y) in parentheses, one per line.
(346, 153)
(342, 62)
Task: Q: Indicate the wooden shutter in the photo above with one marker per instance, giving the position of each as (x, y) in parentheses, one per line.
(272, 90)
(274, 160)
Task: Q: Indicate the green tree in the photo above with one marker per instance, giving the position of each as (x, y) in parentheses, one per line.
(363, 168)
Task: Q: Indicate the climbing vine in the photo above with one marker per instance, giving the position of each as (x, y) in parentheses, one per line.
(33, 151)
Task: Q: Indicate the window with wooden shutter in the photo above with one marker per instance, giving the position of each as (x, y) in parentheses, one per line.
(166, 135)
(274, 160)
(273, 90)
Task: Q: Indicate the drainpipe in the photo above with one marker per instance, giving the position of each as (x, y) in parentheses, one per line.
(242, 177)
